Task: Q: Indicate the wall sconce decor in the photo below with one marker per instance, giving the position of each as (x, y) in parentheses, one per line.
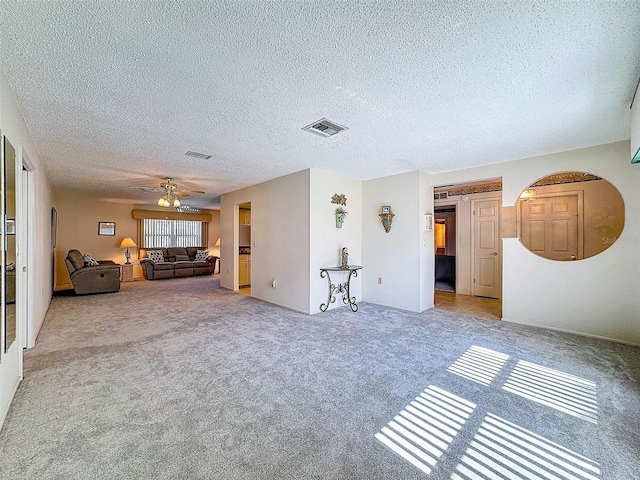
(428, 222)
(528, 194)
(387, 217)
(341, 214)
(339, 199)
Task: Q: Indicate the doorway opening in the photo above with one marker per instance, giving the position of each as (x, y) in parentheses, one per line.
(467, 244)
(244, 248)
(445, 248)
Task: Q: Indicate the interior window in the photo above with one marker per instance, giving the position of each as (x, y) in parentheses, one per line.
(158, 233)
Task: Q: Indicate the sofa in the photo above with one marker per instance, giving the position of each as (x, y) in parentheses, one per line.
(87, 279)
(176, 262)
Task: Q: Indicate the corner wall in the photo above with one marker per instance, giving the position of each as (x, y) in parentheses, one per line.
(598, 296)
(279, 240)
(403, 258)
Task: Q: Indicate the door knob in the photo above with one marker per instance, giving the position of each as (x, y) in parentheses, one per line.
(494, 254)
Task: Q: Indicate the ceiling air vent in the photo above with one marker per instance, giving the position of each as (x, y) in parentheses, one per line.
(201, 156)
(324, 128)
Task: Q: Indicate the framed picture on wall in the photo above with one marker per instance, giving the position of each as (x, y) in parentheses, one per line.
(107, 228)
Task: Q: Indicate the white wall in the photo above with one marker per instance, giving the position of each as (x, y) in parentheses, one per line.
(427, 258)
(326, 240)
(598, 296)
(280, 240)
(13, 126)
(404, 256)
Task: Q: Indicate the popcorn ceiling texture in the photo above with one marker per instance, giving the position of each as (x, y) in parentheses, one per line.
(114, 93)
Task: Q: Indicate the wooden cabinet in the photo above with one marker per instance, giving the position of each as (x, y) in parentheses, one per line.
(244, 270)
(245, 216)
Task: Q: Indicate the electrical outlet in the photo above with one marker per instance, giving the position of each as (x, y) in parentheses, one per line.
(379, 280)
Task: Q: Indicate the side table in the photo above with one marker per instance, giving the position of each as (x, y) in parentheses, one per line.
(340, 288)
(127, 272)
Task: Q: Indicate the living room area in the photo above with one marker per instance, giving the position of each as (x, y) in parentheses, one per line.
(236, 355)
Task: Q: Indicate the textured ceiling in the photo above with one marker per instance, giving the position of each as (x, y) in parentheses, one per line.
(114, 93)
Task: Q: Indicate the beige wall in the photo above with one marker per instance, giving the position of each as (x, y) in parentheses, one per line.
(78, 228)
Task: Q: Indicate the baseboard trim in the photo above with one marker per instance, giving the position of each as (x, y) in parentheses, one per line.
(563, 330)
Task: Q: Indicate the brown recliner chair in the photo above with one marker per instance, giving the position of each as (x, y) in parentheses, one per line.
(102, 278)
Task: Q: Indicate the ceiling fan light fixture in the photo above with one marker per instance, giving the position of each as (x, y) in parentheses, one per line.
(176, 202)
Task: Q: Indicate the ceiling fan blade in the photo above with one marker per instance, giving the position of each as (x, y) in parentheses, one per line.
(148, 189)
(180, 194)
(199, 192)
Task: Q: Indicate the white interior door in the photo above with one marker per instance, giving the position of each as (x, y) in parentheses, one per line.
(487, 256)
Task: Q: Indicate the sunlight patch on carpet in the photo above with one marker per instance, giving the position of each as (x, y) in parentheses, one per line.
(502, 449)
(479, 364)
(426, 427)
(564, 392)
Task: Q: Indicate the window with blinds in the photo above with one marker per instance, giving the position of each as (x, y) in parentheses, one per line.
(171, 233)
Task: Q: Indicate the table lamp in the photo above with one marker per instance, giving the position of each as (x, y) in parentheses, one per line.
(126, 243)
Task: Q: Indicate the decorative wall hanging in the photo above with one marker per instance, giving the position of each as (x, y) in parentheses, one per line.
(341, 214)
(387, 217)
(106, 228)
(339, 200)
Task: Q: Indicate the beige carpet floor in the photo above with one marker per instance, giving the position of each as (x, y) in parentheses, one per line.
(180, 379)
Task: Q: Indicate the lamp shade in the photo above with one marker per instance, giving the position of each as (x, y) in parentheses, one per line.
(217, 243)
(127, 242)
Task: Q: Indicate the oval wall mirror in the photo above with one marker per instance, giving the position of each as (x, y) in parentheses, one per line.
(570, 216)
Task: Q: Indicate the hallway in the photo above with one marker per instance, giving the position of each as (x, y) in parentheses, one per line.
(478, 306)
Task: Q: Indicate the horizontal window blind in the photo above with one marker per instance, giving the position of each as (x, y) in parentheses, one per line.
(171, 233)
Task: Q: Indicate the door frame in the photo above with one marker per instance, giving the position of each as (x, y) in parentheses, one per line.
(448, 204)
(26, 241)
